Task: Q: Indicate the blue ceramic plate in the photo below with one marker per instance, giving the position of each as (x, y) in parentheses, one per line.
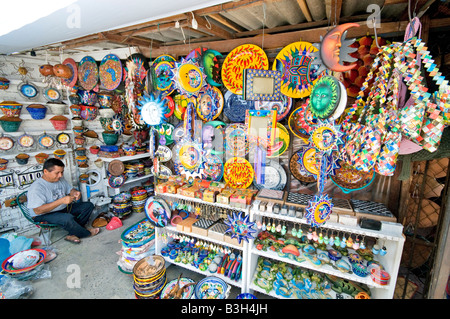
(211, 288)
(28, 90)
(235, 106)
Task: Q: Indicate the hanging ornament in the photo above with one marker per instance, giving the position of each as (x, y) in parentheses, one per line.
(318, 210)
(152, 109)
(334, 49)
(188, 77)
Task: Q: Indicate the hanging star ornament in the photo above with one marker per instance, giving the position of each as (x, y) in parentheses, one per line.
(326, 137)
(240, 227)
(318, 210)
(152, 109)
(188, 77)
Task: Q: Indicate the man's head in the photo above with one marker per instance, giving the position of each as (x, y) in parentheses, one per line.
(53, 170)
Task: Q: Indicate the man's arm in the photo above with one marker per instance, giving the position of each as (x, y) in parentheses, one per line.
(50, 206)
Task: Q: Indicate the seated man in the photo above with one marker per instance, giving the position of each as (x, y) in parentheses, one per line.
(52, 199)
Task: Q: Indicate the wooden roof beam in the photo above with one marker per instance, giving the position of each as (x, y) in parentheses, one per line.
(205, 26)
(305, 10)
(133, 41)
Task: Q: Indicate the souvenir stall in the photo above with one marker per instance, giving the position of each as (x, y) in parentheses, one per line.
(255, 171)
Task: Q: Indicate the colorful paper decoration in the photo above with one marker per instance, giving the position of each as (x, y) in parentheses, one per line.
(240, 227)
(334, 50)
(246, 56)
(294, 62)
(261, 85)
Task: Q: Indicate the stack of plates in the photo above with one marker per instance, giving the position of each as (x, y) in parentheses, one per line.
(27, 272)
(121, 204)
(149, 275)
(137, 243)
(138, 198)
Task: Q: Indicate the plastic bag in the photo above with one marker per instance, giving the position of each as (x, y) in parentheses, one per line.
(13, 289)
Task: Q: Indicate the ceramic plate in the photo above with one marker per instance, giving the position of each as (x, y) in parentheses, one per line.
(26, 140)
(116, 181)
(52, 95)
(6, 143)
(281, 142)
(170, 103)
(63, 138)
(88, 73)
(188, 78)
(294, 63)
(282, 107)
(110, 71)
(209, 103)
(163, 71)
(46, 141)
(157, 211)
(164, 58)
(349, 179)
(188, 154)
(71, 64)
(211, 288)
(213, 168)
(298, 172)
(236, 142)
(164, 153)
(187, 293)
(181, 103)
(235, 107)
(275, 176)
(238, 172)
(247, 56)
(300, 121)
(164, 172)
(28, 90)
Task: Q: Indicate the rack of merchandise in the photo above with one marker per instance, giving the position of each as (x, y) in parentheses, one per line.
(390, 235)
(169, 233)
(129, 181)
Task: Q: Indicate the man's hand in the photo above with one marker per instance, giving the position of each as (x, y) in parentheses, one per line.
(76, 194)
(67, 199)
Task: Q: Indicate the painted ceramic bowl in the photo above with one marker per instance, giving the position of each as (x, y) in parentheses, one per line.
(59, 154)
(4, 83)
(11, 108)
(37, 111)
(81, 160)
(41, 157)
(3, 164)
(211, 288)
(109, 137)
(22, 159)
(87, 97)
(75, 109)
(105, 99)
(88, 112)
(10, 124)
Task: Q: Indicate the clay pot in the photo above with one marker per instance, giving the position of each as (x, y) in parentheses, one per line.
(46, 70)
(22, 158)
(41, 157)
(62, 71)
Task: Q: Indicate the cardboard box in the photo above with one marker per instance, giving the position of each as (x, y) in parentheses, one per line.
(224, 197)
(210, 195)
(239, 201)
(217, 231)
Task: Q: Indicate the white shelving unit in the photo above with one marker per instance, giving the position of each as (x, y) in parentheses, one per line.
(390, 234)
(159, 243)
(128, 181)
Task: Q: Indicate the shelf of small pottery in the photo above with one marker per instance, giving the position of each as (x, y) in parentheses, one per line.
(228, 280)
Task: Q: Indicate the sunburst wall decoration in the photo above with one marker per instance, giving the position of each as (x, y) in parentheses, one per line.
(153, 109)
(240, 227)
(188, 77)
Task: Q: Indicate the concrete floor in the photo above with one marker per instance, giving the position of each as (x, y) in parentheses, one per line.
(89, 270)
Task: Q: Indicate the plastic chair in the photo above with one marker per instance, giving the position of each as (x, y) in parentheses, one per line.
(44, 228)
